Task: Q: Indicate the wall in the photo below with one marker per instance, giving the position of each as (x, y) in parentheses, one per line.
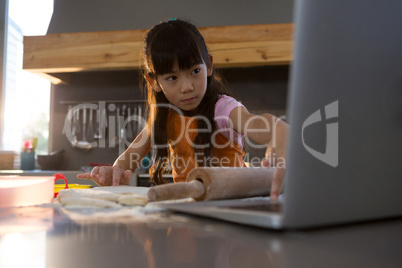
(110, 15)
(259, 88)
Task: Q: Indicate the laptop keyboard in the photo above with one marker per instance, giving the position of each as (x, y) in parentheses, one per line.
(268, 207)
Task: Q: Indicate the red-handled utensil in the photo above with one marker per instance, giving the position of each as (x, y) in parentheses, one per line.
(60, 176)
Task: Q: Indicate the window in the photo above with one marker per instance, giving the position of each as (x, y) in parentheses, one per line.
(26, 96)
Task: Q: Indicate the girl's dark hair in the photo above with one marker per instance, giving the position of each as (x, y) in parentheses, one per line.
(164, 44)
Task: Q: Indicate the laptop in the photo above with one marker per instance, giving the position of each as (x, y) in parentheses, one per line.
(345, 112)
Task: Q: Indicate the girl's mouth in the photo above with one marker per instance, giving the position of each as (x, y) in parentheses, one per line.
(190, 100)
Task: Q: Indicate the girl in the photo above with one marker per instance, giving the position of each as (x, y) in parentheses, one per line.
(193, 120)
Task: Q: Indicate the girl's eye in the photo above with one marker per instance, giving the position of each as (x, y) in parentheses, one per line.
(171, 78)
(196, 70)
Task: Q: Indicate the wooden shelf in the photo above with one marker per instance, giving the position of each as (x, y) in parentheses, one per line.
(54, 55)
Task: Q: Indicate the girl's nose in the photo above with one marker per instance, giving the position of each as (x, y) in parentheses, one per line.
(187, 86)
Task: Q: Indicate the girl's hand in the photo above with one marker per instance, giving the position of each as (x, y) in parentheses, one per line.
(265, 129)
(108, 176)
(277, 181)
(275, 157)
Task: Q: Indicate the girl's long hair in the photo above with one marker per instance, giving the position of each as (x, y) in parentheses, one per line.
(164, 44)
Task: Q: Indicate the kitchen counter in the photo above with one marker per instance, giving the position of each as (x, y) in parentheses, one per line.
(36, 172)
(71, 176)
(49, 236)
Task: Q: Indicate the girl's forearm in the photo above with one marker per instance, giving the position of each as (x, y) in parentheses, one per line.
(132, 156)
(265, 128)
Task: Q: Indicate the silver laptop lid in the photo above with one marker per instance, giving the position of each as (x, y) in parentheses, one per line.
(345, 112)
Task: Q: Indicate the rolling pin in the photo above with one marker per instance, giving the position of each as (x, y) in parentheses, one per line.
(214, 183)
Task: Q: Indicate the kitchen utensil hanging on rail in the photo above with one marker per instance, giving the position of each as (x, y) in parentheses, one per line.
(90, 127)
(139, 128)
(128, 128)
(125, 117)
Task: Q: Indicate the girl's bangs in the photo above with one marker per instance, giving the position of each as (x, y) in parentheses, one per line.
(172, 46)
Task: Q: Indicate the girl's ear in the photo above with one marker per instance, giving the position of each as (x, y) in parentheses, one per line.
(210, 68)
(153, 83)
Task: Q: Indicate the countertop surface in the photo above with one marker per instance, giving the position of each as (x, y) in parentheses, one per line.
(36, 172)
(71, 176)
(50, 236)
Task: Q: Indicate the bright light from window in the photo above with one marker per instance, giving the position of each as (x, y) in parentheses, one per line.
(32, 17)
(27, 96)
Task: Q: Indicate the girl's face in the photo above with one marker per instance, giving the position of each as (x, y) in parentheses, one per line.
(184, 88)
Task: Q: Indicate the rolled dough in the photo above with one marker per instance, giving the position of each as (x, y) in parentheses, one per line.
(133, 200)
(103, 197)
(83, 202)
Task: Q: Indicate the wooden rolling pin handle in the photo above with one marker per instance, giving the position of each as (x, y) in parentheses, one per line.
(178, 190)
(235, 182)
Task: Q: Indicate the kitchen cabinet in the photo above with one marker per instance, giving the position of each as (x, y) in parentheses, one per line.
(54, 56)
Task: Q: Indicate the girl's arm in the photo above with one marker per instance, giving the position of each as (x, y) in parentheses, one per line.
(124, 166)
(265, 129)
(138, 149)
